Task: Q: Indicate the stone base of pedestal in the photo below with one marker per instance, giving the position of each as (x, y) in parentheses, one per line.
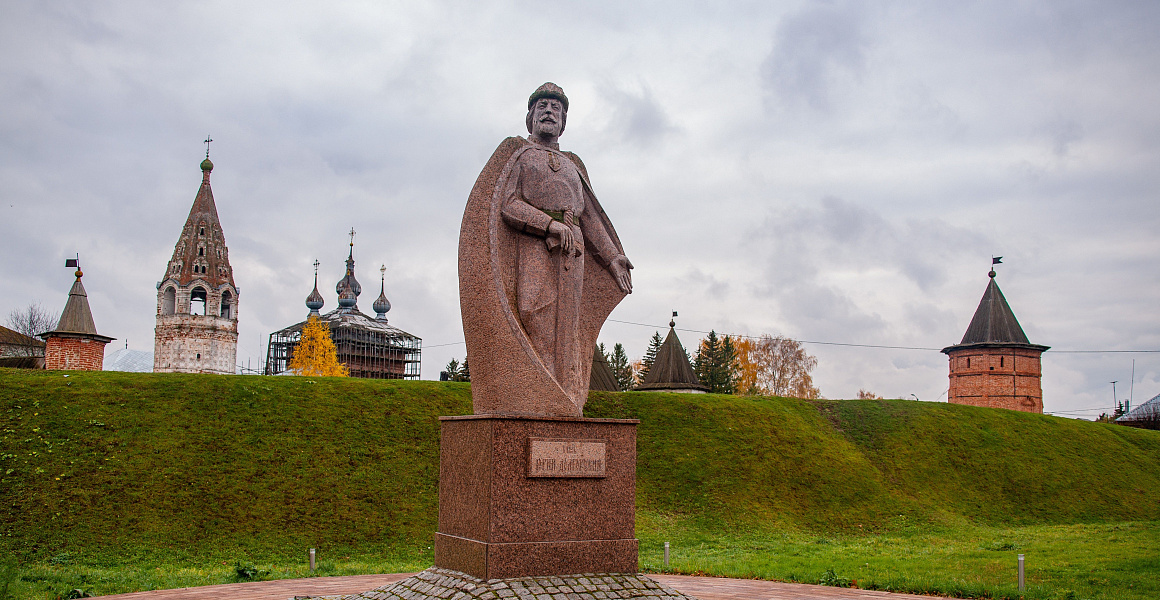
(535, 496)
(444, 584)
(511, 559)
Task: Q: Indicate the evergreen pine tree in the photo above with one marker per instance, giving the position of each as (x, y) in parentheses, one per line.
(621, 370)
(650, 355)
(729, 366)
(704, 361)
(715, 364)
(315, 355)
(456, 371)
(452, 370)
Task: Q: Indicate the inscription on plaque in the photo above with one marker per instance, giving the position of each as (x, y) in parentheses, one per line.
(553, 457)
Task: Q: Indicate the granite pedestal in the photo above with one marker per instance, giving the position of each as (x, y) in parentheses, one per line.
(535, 496)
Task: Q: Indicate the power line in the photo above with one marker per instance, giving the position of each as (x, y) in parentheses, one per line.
(1078, 410)
(442, 345)
(754, 337)
(1105, 351)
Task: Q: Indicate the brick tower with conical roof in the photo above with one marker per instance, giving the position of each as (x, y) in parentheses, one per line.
(75, 344)
(996, 365)
(197, 301)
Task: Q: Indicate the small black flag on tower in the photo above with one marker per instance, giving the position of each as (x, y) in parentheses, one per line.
(996, 260)
(70, 263)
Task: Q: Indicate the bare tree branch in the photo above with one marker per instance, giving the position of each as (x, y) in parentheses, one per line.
(29, 322)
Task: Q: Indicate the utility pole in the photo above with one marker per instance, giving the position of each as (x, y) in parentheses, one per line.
(1131, 394)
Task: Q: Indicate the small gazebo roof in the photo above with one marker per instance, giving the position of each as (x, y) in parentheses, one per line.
(994, 323)
(671, 369)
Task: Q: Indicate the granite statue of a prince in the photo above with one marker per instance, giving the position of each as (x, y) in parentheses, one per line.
(540, 269)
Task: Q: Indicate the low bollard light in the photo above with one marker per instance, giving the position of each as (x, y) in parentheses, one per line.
(310, 553)
(666, 555)
(1020, 572)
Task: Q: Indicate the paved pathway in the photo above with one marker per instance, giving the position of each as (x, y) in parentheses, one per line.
(704, 588)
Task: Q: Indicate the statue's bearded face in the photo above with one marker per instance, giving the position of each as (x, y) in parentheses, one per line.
(546, 119)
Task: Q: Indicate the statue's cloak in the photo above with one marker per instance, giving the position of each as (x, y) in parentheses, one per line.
(507, 376)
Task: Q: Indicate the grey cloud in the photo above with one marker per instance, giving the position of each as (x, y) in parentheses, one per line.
(845, 233)
(801, 246)
(814, 51)
(637, 116)
(1063, 133)
(713, 286)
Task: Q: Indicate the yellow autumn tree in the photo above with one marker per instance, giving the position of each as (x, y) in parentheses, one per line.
(315, 354)
(775, 366)
(747, 370)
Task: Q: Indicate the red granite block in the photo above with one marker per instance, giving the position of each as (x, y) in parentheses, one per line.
(496, 521)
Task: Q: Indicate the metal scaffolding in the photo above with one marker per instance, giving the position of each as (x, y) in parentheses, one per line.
(370, 348)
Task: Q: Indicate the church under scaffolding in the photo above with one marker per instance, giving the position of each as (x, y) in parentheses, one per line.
(369, 347)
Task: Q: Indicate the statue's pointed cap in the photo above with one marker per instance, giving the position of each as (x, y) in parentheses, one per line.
(548, 90)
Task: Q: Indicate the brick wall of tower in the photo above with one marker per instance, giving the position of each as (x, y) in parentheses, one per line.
(74, 354)
(185, 343)
(997, 378)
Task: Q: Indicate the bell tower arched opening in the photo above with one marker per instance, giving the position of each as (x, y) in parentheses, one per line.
(169, 301)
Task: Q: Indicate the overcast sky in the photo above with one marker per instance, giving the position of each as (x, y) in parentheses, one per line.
(830, 171)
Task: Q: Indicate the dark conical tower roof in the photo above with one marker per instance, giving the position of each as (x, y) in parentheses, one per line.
(602, 379)
(77, 319)
(994, 322)
(671, 369)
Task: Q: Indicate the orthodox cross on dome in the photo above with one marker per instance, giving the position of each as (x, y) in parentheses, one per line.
(316, 263)
(351, 234)
(207, 142)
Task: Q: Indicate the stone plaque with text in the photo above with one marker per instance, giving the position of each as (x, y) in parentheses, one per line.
(553, 457)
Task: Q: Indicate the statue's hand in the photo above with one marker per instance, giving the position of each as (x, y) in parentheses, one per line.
(619, 268)
(563, 234)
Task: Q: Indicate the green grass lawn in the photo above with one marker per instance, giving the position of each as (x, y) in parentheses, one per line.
(1113, 561)
(1106, 561)
(110, 573)
(118, 482)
